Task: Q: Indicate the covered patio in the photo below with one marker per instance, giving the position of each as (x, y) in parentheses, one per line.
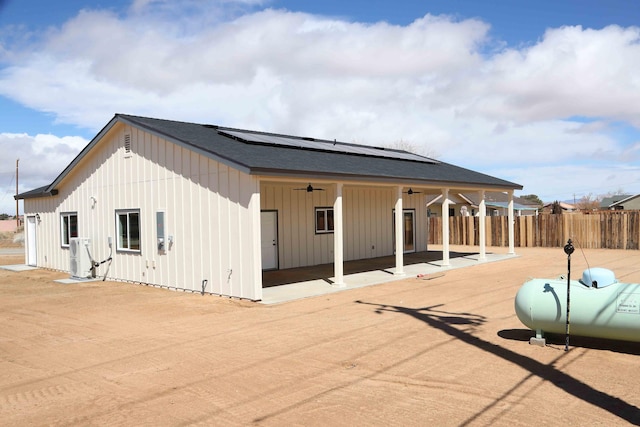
(296, 283)
(363, 223)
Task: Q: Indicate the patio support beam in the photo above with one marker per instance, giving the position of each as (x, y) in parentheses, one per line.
(511, 224)
(338, 239)
(482, 222)
(445, 227)
(254, 208)
(399, 271)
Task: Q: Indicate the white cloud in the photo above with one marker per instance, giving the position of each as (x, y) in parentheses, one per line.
(41, 159)
(571, 72)
(437, 82)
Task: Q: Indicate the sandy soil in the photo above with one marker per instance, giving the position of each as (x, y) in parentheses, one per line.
(445, 352)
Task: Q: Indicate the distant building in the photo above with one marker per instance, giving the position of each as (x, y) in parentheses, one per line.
(467, 204)
(566, 207)
(8, 226)
(621, 202)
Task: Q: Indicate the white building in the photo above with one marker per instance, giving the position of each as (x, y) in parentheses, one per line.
(207, 208)
(496, 204)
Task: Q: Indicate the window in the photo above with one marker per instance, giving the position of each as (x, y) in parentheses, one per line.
(324, 220)
(128, 230)
(68, 227)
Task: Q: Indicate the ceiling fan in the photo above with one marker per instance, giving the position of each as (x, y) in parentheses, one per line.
(309, 189)
(410, 192)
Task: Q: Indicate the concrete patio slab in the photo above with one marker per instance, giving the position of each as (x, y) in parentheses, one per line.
(18, 267)
(310, 288)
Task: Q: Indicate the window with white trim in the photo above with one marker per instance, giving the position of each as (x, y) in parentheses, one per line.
(324, 220)
(68, 227)
(128, 230)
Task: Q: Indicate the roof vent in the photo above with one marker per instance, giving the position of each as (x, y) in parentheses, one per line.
(127, 143)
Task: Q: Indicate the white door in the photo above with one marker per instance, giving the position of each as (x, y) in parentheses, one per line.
(269, 239)
(32, 253)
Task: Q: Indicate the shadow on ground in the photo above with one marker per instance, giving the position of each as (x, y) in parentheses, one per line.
(444, 321)
(617, 346)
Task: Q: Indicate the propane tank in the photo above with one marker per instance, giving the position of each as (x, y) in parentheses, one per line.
(601, 307)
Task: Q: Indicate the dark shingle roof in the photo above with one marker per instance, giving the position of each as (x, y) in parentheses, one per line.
(612, 200)
(38, 192)
(274, 160)
(279, 160)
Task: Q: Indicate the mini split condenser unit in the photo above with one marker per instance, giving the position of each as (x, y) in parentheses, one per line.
(80, 262)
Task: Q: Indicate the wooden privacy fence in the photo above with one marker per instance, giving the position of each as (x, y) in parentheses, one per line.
(607, 229)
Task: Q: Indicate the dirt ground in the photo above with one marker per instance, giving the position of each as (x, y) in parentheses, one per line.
(448, 351)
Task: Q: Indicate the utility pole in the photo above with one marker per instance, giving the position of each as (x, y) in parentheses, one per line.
(17, 217)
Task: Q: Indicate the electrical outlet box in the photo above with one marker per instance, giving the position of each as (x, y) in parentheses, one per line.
(160, 228)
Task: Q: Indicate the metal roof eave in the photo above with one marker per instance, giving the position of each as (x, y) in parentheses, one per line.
(459, 185)
(36, 193)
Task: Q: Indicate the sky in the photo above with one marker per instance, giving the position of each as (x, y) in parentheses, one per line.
(545, 94)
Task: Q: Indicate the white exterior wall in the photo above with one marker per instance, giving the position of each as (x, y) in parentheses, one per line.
(212, 212)
(368, 222)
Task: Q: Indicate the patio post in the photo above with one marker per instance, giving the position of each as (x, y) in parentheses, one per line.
(445, 227)
(511, 224)
(482, 225)
(338, 244)
(399, 216)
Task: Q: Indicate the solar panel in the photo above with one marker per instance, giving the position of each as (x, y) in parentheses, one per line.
(323, 145)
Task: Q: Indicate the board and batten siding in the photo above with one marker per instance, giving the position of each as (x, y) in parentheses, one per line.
(367, 216)
(211, 211)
